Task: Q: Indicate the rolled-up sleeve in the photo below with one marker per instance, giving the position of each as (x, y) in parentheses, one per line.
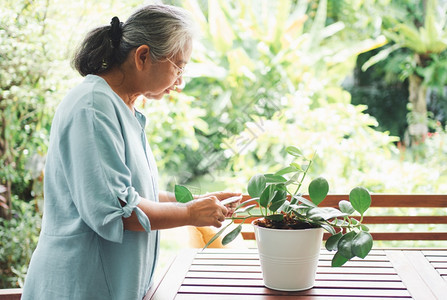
(97, 175)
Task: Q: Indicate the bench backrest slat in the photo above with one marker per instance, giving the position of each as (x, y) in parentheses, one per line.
(394, 200)
(387, 201)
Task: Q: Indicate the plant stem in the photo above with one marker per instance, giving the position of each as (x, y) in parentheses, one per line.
(244, 218)
(240, 218)
(304, 175)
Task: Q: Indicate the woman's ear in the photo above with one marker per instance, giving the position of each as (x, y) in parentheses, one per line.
(142, 57)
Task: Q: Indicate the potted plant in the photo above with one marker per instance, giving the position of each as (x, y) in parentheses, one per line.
(289, 228)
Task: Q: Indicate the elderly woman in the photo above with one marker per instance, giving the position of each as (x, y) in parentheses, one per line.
(102, 211)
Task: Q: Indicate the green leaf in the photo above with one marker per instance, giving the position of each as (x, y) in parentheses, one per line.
(360, 199)
(338, 260)
(331, 213)
(231, 200)
(339, 223)
(252, 200)
(294, 200)
(245, 209)
(292, 179)
(328, 228)
(304, 201)
(332, 241)
(345, 245)
(346, 207)
(354, 221)
(287, 170)
(297, 207)
(256, 185)
(315, 213)
(362, 244)
(277, 217)
(218, 234)
(297, 166)
(364, 227)
(286, 207)
(300, 212)
(182, 194)
(325, 213)
(318, 189)
(281, 187)
(278, 200)
(232, 235)
(267, 196)
(271, 178)
(276, 205)
(382, 55)
(294, 151)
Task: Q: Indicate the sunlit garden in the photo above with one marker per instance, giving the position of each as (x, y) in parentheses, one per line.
(358, 85)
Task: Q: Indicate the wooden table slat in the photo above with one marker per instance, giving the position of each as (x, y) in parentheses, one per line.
(409, 274)
(275, 297)
(348, 284)
(435, 253)
(323, 256)
(322, 263)
(229, 252)
(319, 276)
(439, 265)
(314, 291)
(437, 259)
(169, 285)
(346, 270)
(428, 273)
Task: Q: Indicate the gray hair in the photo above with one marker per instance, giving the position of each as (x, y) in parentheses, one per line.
(167, 30)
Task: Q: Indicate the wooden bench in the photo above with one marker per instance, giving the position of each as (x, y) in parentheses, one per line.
(10, 294)
(435, 204)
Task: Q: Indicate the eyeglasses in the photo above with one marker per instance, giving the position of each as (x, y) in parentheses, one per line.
(180, 71)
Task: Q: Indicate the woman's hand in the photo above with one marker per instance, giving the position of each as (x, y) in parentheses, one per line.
(206, 211)
(224, 197)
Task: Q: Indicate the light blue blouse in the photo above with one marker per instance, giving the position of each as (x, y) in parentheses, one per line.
(98, 155)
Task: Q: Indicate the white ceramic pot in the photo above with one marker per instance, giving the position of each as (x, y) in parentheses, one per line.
(289, 258)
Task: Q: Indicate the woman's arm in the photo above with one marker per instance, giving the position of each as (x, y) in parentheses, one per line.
(165, 196)
(206, 211)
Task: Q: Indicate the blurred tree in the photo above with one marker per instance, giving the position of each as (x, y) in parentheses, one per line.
(24, 123)
(381, 90)
(38, 38)
(424, 37)
(252, 57)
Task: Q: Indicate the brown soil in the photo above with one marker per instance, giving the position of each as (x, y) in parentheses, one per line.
(286, 223)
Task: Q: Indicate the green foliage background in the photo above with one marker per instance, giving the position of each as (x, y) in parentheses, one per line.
(263, 75)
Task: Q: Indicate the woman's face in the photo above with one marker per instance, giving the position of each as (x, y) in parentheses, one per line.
(162, 76)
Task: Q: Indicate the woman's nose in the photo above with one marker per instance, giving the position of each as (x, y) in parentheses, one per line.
(180, 83)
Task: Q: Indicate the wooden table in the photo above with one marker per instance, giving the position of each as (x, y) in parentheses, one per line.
(236, 274)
